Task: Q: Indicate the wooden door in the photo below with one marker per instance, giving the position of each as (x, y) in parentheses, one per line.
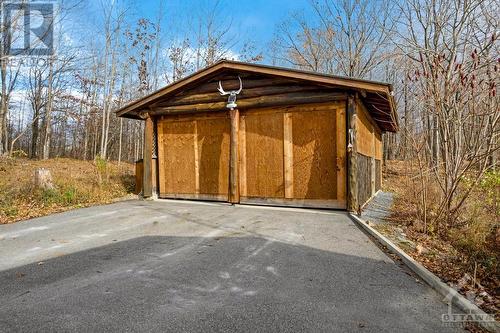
(194, 157)
(294, 156)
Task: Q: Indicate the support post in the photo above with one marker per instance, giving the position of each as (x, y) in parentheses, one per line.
(372, 164)
(352, 179)
(288, 152)
(234, 187)
(341, 167)
(147, 190)
(155, 163)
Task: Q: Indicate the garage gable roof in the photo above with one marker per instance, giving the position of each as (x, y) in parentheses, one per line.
(377, 96)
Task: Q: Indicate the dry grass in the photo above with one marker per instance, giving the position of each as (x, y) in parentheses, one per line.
(77, 184)
(466, 253)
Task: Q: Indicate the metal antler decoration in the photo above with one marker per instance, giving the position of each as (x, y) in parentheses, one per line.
(231, 100)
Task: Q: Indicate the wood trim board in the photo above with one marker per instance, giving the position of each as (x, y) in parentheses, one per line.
(305, 203)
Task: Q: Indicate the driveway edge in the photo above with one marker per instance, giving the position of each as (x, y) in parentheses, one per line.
(450, 294)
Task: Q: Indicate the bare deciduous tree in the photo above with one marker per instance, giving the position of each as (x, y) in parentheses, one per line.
(347, 37)
(452, 45)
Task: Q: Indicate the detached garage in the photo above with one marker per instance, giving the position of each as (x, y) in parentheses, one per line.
(246, 133)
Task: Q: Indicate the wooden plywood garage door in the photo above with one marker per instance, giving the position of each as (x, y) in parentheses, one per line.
(194, 157)
(264, 155)
(294, 156)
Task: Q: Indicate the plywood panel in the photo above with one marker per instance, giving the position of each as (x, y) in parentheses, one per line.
(289, 156)
(264, 154)
(178, 172)
(364, 139)
(194, 156)
(213, 155)
(378, 145)
(314, 155)
(302, 147)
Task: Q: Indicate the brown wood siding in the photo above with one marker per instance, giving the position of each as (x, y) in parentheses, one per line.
(213, 155)
(292, 152)
(264, 154)
(369, 155)
(194, 154)
(378, 175)
(294, 155)
(177, 172)
(369, 137)
(314, 155)
(364, 178)
(365, 141)
(378, 145)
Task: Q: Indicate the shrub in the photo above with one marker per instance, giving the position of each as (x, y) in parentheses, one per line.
(69, 196)
(473, 232)
(102, 169)
(19, 153)
(50, 196)
(7, 207)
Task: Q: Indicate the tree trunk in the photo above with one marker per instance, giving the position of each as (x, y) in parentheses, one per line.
(435, 141)
(34, 134)
(43, 179)
(120, 142)
(48, 113)
(3, 109)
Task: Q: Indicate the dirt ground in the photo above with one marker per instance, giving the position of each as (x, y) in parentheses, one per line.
(76, 184)
(458, 256)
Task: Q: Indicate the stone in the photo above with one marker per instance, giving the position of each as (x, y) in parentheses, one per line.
(422, 249)
(404, 240)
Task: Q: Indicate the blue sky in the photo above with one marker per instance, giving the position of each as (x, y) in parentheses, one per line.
(253, 18)
(252, 21)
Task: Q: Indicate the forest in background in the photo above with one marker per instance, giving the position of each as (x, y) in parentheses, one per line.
(62, 105)
(442, 57)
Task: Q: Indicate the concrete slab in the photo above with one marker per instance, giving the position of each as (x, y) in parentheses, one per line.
(378, 209)
(183, 266)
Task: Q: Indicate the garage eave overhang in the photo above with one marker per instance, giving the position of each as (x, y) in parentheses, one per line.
(377, 96)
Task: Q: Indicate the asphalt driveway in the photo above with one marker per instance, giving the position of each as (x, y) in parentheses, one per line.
(192, 267)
